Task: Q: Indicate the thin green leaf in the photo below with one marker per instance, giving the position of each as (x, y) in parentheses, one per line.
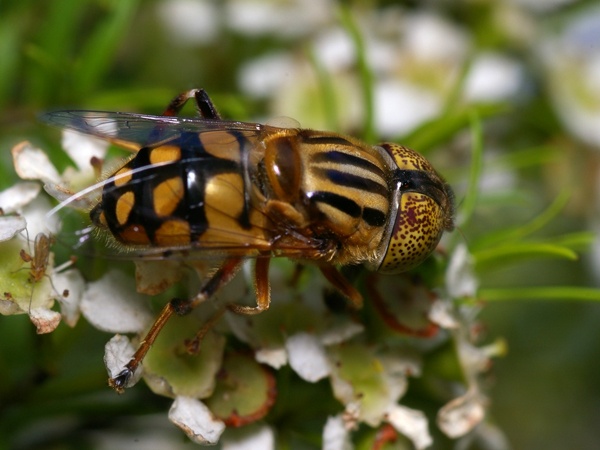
(440, 130)
(366, 75)
(520, 232)
(9, 49)
(455, 96)
(56, 38)
(531, 157)
(327, 91)
(470, 200)
(521, 251)
(561, 293)
(102, 45)
(576, 241)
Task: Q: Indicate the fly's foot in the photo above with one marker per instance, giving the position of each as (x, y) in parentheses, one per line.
(120, 382)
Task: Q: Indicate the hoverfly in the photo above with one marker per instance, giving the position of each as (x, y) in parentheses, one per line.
(206, 186)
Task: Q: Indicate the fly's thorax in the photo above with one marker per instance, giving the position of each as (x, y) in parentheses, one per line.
(283, 166)
(336, 183)
(421, 210)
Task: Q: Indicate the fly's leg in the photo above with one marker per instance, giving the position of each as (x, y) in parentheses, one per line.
(343, 285)
(204, 105)
(176, 306)
(193, 345)
(263, 290)
(263, 300)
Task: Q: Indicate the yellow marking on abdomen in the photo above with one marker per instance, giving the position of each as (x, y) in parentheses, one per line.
(222, 145)
(224, 204)
(166, 196)
(124, 206)
(165, 154)
(122, 176)
(172, 233)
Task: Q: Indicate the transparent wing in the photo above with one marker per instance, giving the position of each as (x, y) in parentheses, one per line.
(263, 238)
(134, 131)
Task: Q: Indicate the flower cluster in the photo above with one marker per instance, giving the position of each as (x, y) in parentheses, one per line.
(368, 358)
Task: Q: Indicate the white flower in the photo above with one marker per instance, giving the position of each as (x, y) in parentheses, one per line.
(189, 21)
(335, 435)
(30, 281)
(462, 414)
(494, 77)
(250, 438)
(289, 18)
(196, 420)
(411, 423)
(572, 61)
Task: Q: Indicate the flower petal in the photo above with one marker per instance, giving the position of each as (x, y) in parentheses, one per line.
(276, 357)
(111, 304)
(45, 320)
(196, 420)
(411, 423)
(82, 148)
(459, 416)
(250, 438)
(72, 281)
(460, 277)
(10, 226)
(17, 196)
(336, 435)
(32, 163)
(307, 357)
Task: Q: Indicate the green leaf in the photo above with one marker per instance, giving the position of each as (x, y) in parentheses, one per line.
(440, 130)
(99, 50)
(365, 73)
(470, 200)
(516, 233)
(517, 252)
(561, 293)
(327, 91)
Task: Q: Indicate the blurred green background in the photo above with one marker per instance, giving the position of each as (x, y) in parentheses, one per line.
(537, 98)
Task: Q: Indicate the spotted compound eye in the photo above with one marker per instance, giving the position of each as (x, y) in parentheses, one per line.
(422, 209)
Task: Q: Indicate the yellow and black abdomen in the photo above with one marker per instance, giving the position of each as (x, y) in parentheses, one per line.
(192, 192)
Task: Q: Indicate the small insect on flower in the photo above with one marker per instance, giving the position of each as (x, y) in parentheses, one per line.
(38, 261)
(205, 187)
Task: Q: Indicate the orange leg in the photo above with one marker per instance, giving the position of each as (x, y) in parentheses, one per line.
(343, 285)
(193, 345)
(176, 306)
(263, 290)
(263, 300)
